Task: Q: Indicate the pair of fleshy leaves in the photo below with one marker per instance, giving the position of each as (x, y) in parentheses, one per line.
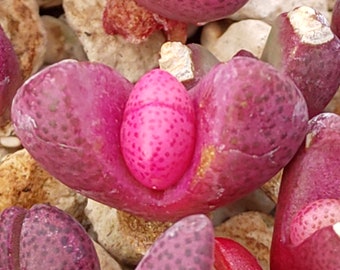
(190, 244)
(44, 237)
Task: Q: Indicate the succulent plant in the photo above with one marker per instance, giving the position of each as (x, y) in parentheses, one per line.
(10, 76)
(44, 237)
(306, 230)
(190, 244)
(189, 11)
(187, 244)
(250, 120)
(302, 46)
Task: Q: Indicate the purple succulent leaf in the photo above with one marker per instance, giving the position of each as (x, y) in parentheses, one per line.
(52, 239)
(10, 227)
(187, 244)
(193, 11)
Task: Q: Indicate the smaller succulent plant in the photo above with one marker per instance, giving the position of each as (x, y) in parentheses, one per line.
(302, 45)
(193, 11)
(190, 244)
(307, 220)
(44, 237)
(10, 76)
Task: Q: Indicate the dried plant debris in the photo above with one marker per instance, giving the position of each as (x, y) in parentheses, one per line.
(21, 21)
(131, 60)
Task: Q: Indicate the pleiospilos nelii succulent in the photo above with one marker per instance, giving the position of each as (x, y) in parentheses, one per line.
(301, 45)
(249, 121)
(44, 237)
(189, 11)
(306, 229)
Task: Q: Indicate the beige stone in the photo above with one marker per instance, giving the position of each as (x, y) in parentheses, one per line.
(269, 10)
(24, 183)
(49, 3)
(105, 259)
(257, 200)
(131, 60)
(21, 22)
(62, 42)
(250, 35)
(124, 236)
(272, 187)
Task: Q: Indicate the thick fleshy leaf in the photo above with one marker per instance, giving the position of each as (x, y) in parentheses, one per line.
(193, 11)
(187, 244)
(312, 175)
(230, 255)
(302, 45)
(10, 227)
(52, 239)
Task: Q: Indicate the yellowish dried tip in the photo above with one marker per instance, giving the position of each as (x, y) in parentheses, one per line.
(309, 138)
(176, 58)
(311, 27)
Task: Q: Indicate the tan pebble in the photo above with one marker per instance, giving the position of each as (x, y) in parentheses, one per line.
(124, 236)
(272, 187)
(253, 230)
(131, 60)
(330, 4)
(21, 21)
(49, 3)
(10, 141)
(255, 201)
(176, 58)
(267, 11)
(105, 259)
(62, 42)
(24, 183)
(250, 35)
(212, 31)
(334, 105)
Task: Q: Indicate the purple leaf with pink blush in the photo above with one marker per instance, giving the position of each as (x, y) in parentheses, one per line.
(193, 11)
(308, 213)
(302, 45)
(187, 244)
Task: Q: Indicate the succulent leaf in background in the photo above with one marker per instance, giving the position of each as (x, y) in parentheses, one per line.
(44, 237)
